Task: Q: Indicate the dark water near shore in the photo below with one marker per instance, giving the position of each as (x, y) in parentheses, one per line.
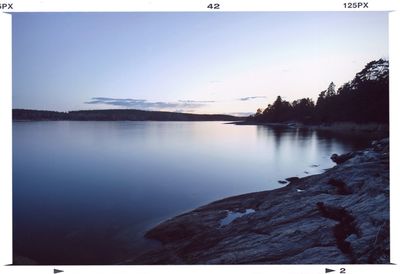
(84, 192)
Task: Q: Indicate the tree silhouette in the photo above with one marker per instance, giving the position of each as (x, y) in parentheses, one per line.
(362, 100)
(331, 90)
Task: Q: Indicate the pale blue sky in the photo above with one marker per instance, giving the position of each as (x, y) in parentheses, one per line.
(192, 62)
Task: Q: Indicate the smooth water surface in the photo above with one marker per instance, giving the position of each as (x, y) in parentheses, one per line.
(85, 192)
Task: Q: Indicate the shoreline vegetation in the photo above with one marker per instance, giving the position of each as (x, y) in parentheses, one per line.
(363, 100)
(338, 217)
(116, 115)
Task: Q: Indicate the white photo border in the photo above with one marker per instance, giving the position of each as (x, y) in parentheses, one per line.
(391, 6)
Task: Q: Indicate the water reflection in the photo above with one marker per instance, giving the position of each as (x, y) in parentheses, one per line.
(85, 192)
(305, 136)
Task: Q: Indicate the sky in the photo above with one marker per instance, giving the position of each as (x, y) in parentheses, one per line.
(226, 62)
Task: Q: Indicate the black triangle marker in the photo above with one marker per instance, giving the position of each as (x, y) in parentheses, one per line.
(57, 271)
(327, 270)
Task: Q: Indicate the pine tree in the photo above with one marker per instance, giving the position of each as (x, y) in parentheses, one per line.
(331, 90)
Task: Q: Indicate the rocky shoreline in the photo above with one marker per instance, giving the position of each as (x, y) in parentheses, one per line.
(338, 217)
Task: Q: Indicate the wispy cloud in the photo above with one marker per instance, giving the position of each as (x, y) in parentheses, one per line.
(178, 106)
(147, 105)
(251, 98)
(195, 102)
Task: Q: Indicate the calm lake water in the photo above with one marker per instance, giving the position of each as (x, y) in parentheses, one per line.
(85, 192)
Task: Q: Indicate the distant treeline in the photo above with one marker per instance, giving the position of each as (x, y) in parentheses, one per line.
(365, 99)
(116, 115)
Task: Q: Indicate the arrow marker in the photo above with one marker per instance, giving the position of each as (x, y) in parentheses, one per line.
(327, 270)
(57, 271)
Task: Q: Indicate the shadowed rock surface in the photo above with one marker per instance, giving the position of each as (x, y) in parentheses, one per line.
(339, 217)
